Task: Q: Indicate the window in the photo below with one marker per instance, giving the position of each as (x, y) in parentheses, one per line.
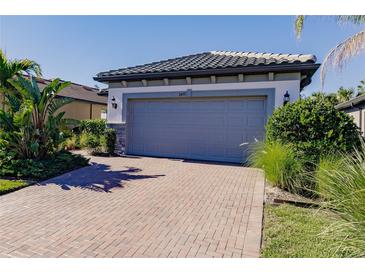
(103, 114)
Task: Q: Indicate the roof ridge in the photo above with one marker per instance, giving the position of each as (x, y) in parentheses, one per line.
(211, 60)
(256, 52)
(161, 61)
(72, 83)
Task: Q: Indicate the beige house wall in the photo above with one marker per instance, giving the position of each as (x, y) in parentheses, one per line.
(97, 109)
(80, 110)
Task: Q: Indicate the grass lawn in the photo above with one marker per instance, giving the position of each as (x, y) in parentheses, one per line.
(9, 185)
(294, 232)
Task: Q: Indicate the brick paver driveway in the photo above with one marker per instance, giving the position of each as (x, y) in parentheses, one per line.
(137, 207)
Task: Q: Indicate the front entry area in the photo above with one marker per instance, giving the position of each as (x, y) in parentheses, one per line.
(214, 129)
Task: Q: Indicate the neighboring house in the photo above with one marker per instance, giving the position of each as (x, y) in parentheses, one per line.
(355, 108)
(206, 106)
(87, 103)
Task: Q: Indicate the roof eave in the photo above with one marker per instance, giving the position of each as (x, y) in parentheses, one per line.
(309, 69)
(351, 103)
(83, 100)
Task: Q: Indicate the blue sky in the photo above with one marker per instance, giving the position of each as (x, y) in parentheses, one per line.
(75, 48)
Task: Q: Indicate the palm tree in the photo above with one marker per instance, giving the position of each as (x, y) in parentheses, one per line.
(345, 94)
(11, 68)
(361, 88)
(31, 126)
(344, 51)
(330, 97)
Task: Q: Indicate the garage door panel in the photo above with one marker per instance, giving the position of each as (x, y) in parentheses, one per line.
(235, 153)
(215, 150)
(236, 120)
(202, 129)
(202, 106)
(253, 121)
(235, 105)
(255, 105)
(253, 136)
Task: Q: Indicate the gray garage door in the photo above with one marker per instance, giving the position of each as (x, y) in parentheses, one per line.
(203, 129)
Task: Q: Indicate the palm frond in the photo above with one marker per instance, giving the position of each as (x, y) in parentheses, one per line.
(53, 88)
(6, 121)
(13, 102)
(27, 66)
(70, 122)
(299, 24)
(61, 85)
(23, 116)
(354, 19)
(26, 88)
(57, 103)
(339, 55)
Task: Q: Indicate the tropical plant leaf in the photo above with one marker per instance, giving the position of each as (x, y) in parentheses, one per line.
(13, 102)
(11, 68)
(342, 53)
(57, 103)
(28, 66)
(25, 87)
(354, 19)
(299, 24)
(6, 121)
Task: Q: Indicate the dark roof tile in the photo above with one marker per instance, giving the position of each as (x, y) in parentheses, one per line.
(77, 92)
(212, 60)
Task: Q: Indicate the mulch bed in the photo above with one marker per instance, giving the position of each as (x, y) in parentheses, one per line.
(277, 196)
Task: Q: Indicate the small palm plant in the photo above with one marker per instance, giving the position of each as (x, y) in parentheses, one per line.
(12, 68)
(30, 128)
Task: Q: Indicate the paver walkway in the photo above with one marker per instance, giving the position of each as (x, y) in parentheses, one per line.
(137, 207)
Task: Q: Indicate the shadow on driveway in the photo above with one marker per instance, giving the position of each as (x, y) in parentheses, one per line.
(97, 177)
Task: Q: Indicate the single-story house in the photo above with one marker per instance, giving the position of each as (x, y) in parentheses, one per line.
(205, 106)
(86, 104)
(354, 107)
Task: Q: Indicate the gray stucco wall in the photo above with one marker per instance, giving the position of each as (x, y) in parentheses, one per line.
(358, 113)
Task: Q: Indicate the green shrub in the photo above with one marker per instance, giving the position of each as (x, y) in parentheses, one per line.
(282, 168)
(341, 182)
(92, 141)
(314, 128)
(110, 139)
(96, 127)
(102, 143)
(71, 143)
(52, 166)
(95, 144)
(96, 137)
(83, 139)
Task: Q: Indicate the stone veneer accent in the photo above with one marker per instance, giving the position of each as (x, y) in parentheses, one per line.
(120, 145)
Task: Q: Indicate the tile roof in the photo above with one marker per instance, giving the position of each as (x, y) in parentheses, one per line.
(78, 92)
(211, 60)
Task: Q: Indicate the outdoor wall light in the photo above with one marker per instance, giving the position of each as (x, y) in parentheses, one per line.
(286, 98)
(114, 104)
